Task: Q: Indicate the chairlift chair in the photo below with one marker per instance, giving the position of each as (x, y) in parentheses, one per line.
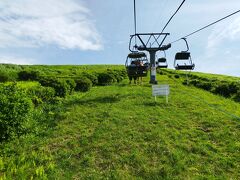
(162, 62)
(185, 58)
(137, 64)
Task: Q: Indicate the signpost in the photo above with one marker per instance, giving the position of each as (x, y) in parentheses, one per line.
(160, 90)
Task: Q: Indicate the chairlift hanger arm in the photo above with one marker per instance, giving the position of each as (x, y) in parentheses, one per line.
(145, 45)
(185, 39)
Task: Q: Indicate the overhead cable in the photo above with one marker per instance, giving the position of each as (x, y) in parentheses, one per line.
(170, 20)
(173, 16)
(215, 22)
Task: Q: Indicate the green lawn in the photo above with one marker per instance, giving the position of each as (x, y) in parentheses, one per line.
(119, 132)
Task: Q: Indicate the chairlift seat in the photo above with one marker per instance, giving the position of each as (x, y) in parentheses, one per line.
(182, 55)
(162, 66)
(185, 67)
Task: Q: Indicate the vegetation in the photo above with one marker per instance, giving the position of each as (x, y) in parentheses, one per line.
(228, 87)
(120, 132)
(15, 111)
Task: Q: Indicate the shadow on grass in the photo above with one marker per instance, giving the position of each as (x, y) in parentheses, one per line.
(97, 100)
(159, 103)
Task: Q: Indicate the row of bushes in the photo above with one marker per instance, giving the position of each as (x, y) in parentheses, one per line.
(18, 105)
(97, 78)
(63, 86)
(227, 89)
(25, 110)
(223, 88)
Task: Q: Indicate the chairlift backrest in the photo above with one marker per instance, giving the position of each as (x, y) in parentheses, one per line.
(136, 55)
(162, 60)
(182, 55)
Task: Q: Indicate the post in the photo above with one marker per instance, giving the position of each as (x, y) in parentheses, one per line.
(153, 67)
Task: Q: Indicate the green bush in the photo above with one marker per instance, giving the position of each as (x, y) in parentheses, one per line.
(236, 97)
(204, 85)
(92, 76)
(83, 84)
(28, 75)
(106, 78)
(15, 112)
(234, 87)
(4, 77)
(72, 85)
(40, 94)
(160, 72)
(194, 82)
(222, 89)
(176, 76)
(119, 75)
(61, 87)
(7, 75)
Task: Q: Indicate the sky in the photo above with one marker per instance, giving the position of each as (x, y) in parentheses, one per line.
(98, 32)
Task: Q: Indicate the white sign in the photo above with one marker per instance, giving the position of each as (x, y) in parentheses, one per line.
(161, 90)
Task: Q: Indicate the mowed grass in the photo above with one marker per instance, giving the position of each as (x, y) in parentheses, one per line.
(120, 132)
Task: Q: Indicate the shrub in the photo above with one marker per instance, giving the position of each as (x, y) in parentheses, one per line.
(116, 74)
(194, 82)
(61, 87)
(234, 87)
(83, 84)
(236, 97)
(72, 85)
(106, 78)
(185, 82)
(160, 72)
(92, 76)
(7, 75)
(222, 89)
(119, 75)
(176, 76)
(28, 75)
(204, 85)
(15, 112)
(40, 94)
(4, 77)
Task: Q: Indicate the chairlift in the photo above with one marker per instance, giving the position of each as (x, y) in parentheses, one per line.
(137, 64)
(185, 57)
(162, 62)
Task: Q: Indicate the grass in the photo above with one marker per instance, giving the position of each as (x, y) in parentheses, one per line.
(120, 132)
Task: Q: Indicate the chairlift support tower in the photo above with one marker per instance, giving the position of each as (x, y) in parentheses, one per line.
(146, 40)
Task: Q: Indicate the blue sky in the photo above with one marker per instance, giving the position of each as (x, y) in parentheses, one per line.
(97, 32)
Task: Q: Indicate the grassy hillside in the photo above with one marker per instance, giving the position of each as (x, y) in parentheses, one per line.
(120, 132)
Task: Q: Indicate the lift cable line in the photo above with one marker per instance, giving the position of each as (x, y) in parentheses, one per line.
(173, 15)
(171, 19)
(206, 26)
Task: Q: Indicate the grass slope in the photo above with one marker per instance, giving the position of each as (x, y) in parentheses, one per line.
(119, 132)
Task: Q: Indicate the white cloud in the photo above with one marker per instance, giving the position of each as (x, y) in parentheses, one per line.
(225, 32)
(16, 60)
(31, 23)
